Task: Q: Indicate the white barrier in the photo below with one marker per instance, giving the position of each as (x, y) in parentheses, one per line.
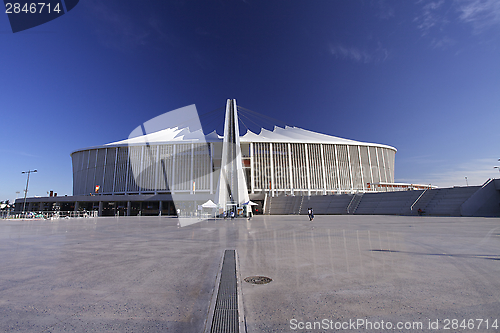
(49, 215)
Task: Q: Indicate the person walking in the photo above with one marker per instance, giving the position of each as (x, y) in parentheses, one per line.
(310, 212)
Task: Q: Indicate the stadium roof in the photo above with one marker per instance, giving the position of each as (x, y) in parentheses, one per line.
(288, 134)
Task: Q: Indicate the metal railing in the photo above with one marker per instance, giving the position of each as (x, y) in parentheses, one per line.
(356, 197)
(52, 215)
(415, 202)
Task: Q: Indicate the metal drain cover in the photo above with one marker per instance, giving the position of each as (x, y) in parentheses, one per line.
(258, 279)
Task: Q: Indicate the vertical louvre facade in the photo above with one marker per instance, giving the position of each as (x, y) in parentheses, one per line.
(320, 168)
(144, 169)
(277, 167)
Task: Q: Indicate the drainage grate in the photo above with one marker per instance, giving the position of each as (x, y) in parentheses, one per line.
(225, 317)
(258, 279)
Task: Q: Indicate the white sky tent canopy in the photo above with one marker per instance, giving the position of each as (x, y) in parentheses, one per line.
(299, 135)
(209, 204)
(251, 203)
(278, 134)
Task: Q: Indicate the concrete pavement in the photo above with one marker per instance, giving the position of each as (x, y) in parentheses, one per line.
(142, 274)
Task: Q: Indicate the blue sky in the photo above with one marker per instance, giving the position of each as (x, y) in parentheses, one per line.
(422, 76)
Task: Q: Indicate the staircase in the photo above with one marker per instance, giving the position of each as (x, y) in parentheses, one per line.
(447, 201)
(389, 203)
(354, 203)
(484, 202)
(437, 202)
(337, 204)
(423, 202)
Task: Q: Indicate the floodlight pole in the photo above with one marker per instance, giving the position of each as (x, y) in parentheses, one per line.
(466, 181)
(26, 191)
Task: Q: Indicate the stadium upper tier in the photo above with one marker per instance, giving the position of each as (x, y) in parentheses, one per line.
(287, 160)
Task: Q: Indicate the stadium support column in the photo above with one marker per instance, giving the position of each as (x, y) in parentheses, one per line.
(129, 208)
(384, 164)
(191, 172)
(323, 169)
(114, 172)
(128, 168)
(271, 162)
(139, 181)
(157, 166)
(104, 168)
(232, 187)
(252, 177)
(370, 167)
(290, 173)
(351, 174)
(172, 186)
(337, 168)
(211, 168)
(85, 191)
(95, 169)
(379, 166)
(101, 204)
(308, 172)
(361, 170)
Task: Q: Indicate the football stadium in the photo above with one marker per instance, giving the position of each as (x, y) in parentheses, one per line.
(286, 160)
(179, 169)
(187, 164)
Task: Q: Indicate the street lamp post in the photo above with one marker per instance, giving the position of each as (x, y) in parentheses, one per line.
(26, 191)
(466, 181)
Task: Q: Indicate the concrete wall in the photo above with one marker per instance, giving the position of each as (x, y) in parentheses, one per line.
(485, 202)
(455, 201)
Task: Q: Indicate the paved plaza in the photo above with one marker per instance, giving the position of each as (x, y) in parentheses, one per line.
(149, 274)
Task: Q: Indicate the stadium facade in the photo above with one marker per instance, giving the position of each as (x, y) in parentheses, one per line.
(286, 160)
(176, 164)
